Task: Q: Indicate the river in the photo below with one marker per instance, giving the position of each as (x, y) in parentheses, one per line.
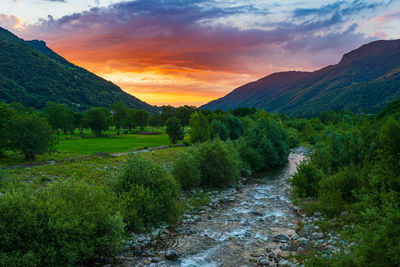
(239, 230)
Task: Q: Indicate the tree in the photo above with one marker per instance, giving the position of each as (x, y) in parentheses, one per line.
(97, 120)
(166, 113)
(184, 113)
(155, 120)
(174, 129)
(29, 134)
(219, 130)
(199, 128)
(120, 115)
(140, 117)
(79, 121)
(5, 115)
(59, 117)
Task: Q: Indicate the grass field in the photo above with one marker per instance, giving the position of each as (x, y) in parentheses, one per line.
(73, 145)
(93, 170)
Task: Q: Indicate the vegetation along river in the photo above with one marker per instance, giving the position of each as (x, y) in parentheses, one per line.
(237, 229)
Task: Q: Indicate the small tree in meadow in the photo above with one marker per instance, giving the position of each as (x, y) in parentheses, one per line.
(174, 130)
(29, 134)
(97, 120)
(140, 117)
(59, 117)
(199, 128)
(120, 116)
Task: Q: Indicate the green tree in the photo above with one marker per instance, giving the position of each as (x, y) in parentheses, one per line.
(219, 130)
(59, 117)
(199, 128)
(79, 122)
(97, 119)
(184, 113)
(174, 129)
(155, 120)
(166, 113)
(29, 134)
(140, 117)
(5, 115)
(120, 116)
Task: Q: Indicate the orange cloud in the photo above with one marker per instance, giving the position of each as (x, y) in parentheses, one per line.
(10, 22)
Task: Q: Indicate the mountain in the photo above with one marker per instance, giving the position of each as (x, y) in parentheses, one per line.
(33, 74)
(365, 80)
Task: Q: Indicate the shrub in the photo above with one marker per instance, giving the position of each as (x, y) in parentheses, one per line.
(264, 145)
(346, 182)
(305, 181)
(219, 163)
(293, 138)
(219, 130)
(148, 194)
(174, 130)
(66, 224)
(186, 169)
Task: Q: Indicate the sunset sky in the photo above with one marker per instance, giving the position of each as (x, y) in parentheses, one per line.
(190, 52)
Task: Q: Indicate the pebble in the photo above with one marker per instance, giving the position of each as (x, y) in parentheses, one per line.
(171, 255)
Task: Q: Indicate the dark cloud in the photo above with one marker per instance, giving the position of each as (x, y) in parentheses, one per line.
(135, 35)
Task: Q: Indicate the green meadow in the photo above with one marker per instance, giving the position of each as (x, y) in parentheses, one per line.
(75, 145)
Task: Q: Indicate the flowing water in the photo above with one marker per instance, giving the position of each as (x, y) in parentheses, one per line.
(238, 229)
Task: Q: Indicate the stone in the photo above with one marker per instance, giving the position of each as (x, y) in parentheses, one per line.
(171, 255)
(317, 214)
(300, 250)
(264, 262)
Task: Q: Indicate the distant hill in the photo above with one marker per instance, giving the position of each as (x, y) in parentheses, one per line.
(33, 74)
(365, 80)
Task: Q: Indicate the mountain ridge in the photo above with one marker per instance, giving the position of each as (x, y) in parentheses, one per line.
(351, 84)
(33, 74)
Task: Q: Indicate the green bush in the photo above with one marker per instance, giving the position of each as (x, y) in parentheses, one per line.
(293, 137)
(219, 130)
(264, 145)
(66, 224)
(186, 169)
(148, 194)
(219, 163)
(347, 181)
(305, 181)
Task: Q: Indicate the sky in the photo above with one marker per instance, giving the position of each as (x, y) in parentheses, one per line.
(176, 52)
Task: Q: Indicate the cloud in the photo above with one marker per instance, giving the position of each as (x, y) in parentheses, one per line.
(10, 22)
(182, 42)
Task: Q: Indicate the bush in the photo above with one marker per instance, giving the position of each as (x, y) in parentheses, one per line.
(148, 194)
(186, 169)
(66, 224)
(264, 145)
(305, 181)
(219, 130)
(293, 138)
(219, 163)
(347, 182)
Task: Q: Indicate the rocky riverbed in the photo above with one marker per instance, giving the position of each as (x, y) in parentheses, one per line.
(253, 224)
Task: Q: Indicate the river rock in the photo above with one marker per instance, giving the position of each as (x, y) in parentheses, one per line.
(264, 262)
(171, 255)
